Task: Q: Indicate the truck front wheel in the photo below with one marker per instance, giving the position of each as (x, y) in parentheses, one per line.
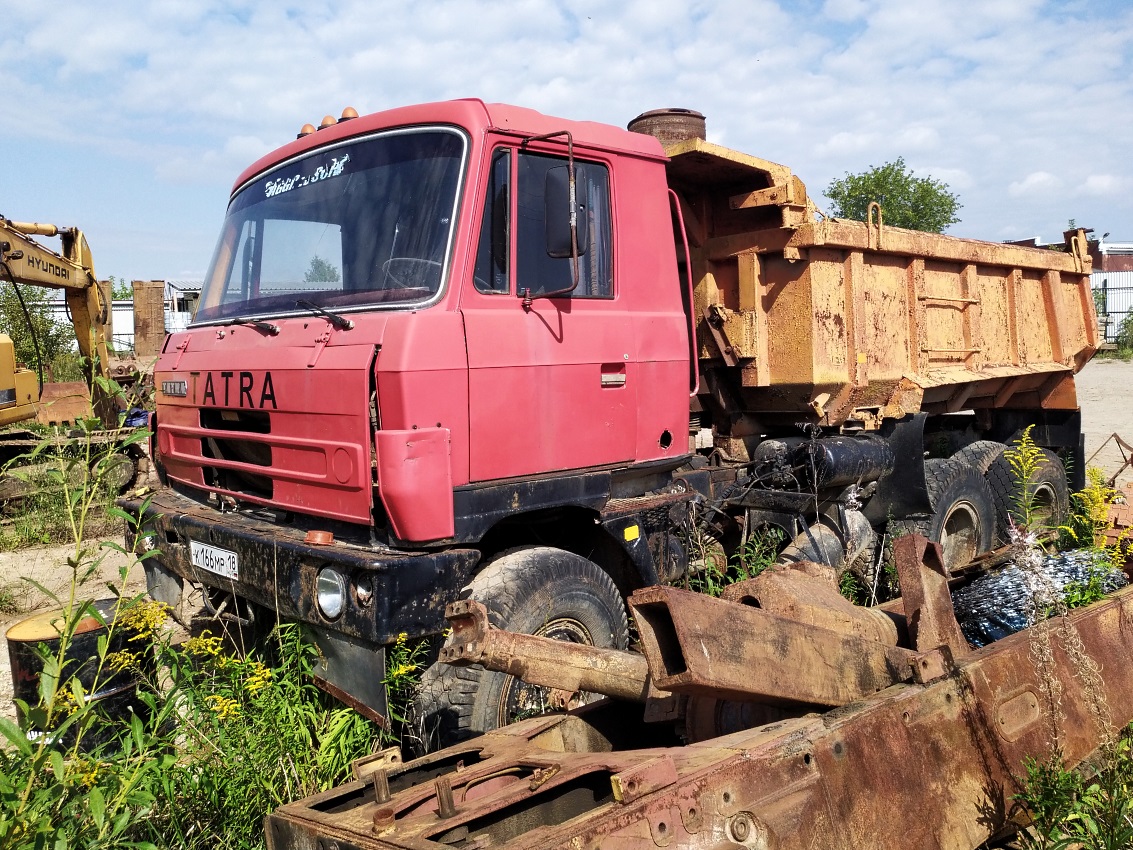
(534, 590)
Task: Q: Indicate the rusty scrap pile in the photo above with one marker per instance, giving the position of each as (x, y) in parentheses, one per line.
(781, 716)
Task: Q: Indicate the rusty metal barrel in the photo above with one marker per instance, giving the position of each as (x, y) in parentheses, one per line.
(115, 690)
(669, 126)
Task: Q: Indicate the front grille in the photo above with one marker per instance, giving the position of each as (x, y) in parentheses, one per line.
(231, 448)
(249, 421)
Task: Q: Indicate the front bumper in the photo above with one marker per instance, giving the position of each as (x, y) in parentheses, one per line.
(277, 570)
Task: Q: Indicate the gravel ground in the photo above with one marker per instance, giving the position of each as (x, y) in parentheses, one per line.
(1105, 393)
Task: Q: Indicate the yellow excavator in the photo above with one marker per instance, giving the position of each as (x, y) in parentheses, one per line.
(23, 260)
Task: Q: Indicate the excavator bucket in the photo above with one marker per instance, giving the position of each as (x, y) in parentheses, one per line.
(62, 403)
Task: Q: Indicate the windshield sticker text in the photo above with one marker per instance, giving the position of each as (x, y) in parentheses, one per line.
(324, 172)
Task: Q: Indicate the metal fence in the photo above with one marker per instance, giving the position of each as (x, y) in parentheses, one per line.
(1113, 297)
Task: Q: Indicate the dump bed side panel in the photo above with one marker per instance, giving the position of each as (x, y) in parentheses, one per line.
(840, 320)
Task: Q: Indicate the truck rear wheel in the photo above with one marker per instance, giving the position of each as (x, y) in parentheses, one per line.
(1047, 491)
(963, 512)
(980, 454)
(534, 590)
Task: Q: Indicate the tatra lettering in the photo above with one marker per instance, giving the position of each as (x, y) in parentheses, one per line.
(267, 391)
(245, 390)
(227, 380)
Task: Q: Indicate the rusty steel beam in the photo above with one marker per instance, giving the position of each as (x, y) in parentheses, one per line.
(542, 661)
(929, 615)
(699, 645)
(808, 594)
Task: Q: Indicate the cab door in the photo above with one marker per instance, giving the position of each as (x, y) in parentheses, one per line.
(551, 383)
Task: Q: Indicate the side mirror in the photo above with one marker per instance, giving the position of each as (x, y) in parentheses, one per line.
(557, 212)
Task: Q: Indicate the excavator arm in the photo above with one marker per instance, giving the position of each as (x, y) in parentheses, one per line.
(23, 260)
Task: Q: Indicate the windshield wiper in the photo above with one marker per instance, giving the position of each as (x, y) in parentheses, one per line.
(263, 327)
(336, 320)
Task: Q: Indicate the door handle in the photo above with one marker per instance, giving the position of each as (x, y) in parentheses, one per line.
(613, 374)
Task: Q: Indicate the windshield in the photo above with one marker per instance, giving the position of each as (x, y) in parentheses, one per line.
(365, 223)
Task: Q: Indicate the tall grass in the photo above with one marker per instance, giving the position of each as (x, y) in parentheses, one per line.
(214, 741)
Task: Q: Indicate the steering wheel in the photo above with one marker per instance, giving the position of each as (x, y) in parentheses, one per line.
(410, 272)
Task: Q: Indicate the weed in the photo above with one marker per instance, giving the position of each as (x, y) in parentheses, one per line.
(253, 732)
(216, 741)
(755, 555)
(405, 662)
(1025, 459)
(13, 595)
(51, 476)
(1077, 594)
(1089, 513)
(1124, 337)
(1070, 809)
(853, 588)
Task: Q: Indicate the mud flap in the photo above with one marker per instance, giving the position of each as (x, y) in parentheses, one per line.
(353, 672)
(902, 491)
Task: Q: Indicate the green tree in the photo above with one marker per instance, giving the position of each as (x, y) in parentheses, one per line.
(321, 271)
(123, 290)
(916, 203)
(56, 338)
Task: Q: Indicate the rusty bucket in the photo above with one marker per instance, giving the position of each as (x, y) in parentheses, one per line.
(115, 691)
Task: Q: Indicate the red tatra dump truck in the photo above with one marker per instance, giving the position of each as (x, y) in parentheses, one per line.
(469, 349)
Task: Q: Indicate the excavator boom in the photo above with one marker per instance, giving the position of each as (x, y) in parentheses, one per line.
(25, 261)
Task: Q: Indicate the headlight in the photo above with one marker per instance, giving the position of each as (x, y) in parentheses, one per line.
(330, 592)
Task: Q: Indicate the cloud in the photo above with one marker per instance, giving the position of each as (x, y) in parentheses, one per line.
(845, 10)
(958, 179)
(844, 142)
(176, 97)
(1104, 184)
(918, 137)
(1035, 183)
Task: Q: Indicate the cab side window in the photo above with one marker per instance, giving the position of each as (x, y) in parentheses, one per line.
(541, 270)
(492, 254)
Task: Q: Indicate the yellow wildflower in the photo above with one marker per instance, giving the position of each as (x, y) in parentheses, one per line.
(207, 645)
(401, 670)
(402, 638)
(258, 679)
(88, 772)
(222, 707)
(122, 660)
(143, 619)
(66, 700)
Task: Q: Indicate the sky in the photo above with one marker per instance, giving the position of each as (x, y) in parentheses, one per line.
(132, 120)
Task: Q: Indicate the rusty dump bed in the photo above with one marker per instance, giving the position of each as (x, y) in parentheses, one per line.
(804, 314)
(932, 760)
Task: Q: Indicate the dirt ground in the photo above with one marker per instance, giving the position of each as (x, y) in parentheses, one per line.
(1105, 392)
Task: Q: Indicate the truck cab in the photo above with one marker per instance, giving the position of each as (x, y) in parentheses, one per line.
(419, 328)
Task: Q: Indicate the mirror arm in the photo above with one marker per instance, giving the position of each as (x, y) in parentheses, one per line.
(573, 201)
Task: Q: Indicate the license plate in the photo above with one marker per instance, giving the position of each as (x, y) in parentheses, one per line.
(214, 559)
